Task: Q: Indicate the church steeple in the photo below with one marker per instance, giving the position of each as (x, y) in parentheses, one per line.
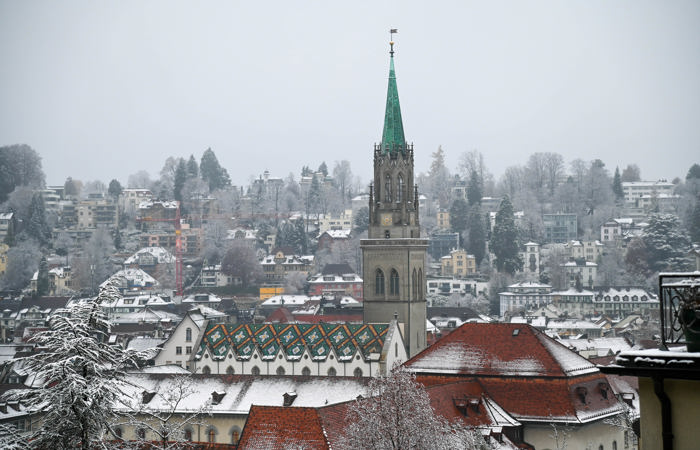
(393, 139)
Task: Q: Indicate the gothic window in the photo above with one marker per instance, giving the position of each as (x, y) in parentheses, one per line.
(229, 370)
(141, 433)
(188, 434)
(420, 283)
(206, 370)
(357, 373)
(118, 432)
(415, 284)
(394, 289)
(235, 435)
(280, 370)
(255, 370)
(399, 191)
(331, 372)
(387, 188)
(379, 282)
(306, 371)
(211, 435)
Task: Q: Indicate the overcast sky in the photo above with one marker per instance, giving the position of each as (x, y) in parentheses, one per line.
(103, 89)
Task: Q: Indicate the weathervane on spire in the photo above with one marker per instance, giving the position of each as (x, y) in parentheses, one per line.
(391, 40)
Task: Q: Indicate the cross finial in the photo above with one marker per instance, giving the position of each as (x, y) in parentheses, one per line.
(392, 31)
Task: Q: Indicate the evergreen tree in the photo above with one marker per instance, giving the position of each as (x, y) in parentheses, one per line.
(37, 226)
(617, 185)
(474, 189)
(192, 168)
(667, 246)
(693, 172)
(323, 168)
(20, 165)
(459, 212)
(42, 280)
(361, 220)
(211, 172)
(115, 189)
(504, 240)
(477, 234)
(181, 175)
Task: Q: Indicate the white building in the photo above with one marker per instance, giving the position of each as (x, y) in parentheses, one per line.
(524, 296)
(635, 190)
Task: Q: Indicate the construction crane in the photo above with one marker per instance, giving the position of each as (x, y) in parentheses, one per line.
(178, 245)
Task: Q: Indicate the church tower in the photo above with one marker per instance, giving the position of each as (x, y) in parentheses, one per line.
(394, 255)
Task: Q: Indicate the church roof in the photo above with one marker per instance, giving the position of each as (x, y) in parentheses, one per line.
(393, 138)
(319, 340)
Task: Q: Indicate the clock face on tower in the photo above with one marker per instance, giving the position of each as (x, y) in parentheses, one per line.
(386, 219)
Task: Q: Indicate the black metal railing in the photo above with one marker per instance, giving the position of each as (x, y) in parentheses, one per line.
(677, 291)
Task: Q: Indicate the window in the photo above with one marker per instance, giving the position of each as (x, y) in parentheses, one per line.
(394, 289)
(235, 435)
(331, 372)
(614, 445)
(141, 433)
(206, 370)
(379, 282)
(211, 435)
(280, 370)
(414, 284)
(255, 370)
(118, 432)
(306, 371)
(399, 192)
(188, 350)
(387, 188)
(357, 373)
(188, 335)
(178, 350)
(230, 371)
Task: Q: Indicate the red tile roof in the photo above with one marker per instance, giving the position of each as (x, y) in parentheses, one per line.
(274, 427)
(497, 349)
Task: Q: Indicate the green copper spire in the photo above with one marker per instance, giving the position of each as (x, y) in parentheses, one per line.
(393, 138)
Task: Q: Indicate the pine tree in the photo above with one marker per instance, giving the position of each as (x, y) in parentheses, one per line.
(504, 240)
(42, 280)
(617, 185)
(477, 234)
(459, 212)
(474, 188)
(115, 189)
(216, 176)
(181, 175)
(323, 168)
(37, 226)
(192, 168)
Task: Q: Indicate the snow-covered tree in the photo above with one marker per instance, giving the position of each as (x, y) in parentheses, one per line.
(398, 415)
(241, 261)
(667, 245)
(76, 376)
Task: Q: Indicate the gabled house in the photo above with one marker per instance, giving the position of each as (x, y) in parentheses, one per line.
(336, 279)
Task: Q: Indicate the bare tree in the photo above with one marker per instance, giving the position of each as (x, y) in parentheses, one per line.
(342, 176)
(161, 420)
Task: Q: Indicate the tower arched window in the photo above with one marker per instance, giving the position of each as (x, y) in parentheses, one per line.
(420, 283)
(379, 282)
(188, 335)
(414, 284)
(399, 191)
(394, 288)
(387, 188)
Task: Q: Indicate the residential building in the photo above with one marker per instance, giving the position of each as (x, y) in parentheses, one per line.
(622, 301)
(330, 238)
(583, 272)
(3, 257)
(132, 279)
(458, 264)
(332, 222)
(443, 219)
(524, 296)
(394, 254)
(636, 190)
(560, 228)
(7, 224)
(587, 250)
(212, 276)
(450, 285)
(336, 279)
(96, 211)
(278, 265)
(131, 198)
(575, 303)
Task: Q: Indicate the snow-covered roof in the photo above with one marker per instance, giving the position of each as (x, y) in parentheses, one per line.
(132, 277)
(294, 300)
(337, 234)
(613, 344)
(202, 298)
(161, 255)
(141, 343)
(241, 392)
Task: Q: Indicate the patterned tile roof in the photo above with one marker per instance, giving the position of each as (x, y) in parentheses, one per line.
(293, 339)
